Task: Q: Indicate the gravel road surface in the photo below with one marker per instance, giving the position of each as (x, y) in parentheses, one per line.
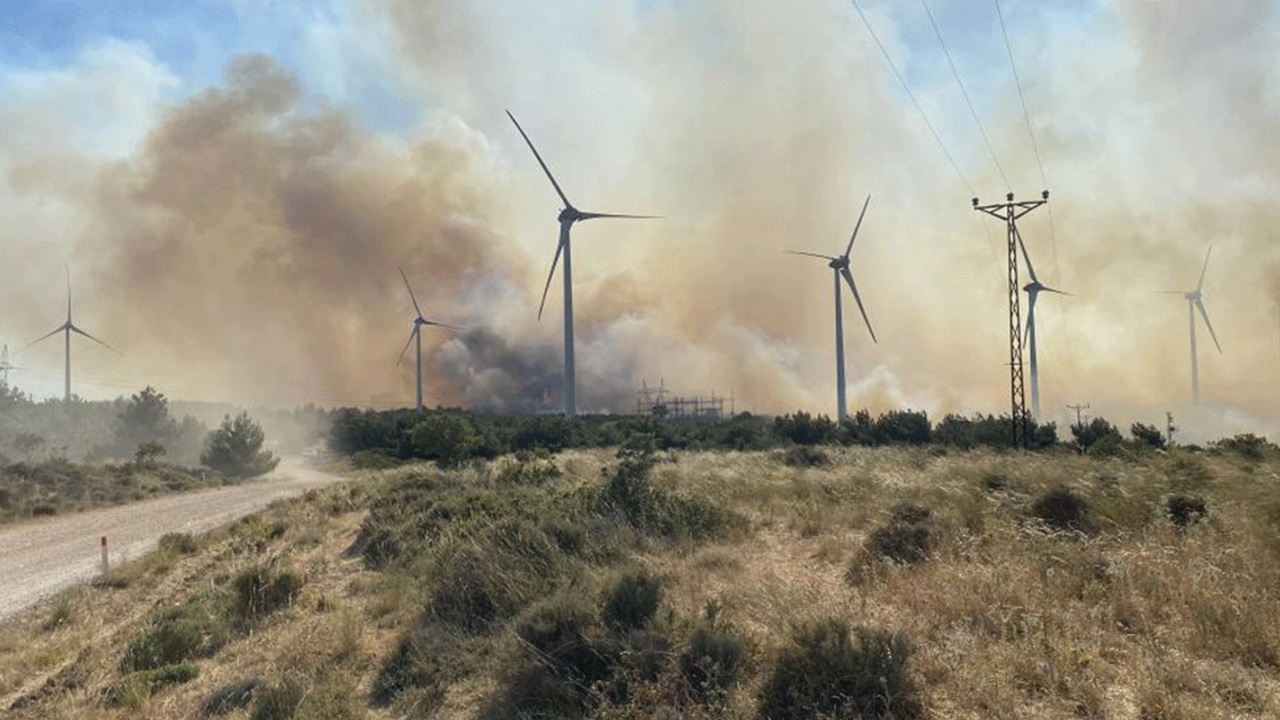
(42, 557)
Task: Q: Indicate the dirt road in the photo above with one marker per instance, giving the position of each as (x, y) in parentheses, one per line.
(39, 558)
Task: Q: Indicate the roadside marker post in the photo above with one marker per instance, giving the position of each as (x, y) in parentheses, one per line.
(105, 566)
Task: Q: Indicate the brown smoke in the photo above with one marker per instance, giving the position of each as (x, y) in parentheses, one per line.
(249, 246)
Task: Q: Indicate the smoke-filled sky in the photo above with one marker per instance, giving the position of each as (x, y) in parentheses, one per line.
(234, 183)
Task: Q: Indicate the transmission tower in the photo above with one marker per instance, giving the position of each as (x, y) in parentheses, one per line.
(1010, 212)
(1169, 427)
(5, 366)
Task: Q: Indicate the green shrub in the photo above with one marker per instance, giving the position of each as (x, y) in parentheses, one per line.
(171, 639)
(632, 601)
(260, 591)
(448, 439)
(630, 493)
(178, 543)
(148, 682)
(906, 538)
(373, 459)
(528, 472)
(1248, 446)
(1185, 510)
(830, 672)
(902, 427)
(278, 702)
(1062, 509)
(805, 429)
(712, 661)
(1147, 435)
(235, 449)
(492, 579)
(805, 456)
(1096, 430)
(564, 663)
(231, 696)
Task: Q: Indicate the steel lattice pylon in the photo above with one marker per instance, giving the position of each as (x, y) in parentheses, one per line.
(1010, 212)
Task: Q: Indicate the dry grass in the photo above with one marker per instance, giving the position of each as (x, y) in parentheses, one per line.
(1136, 618)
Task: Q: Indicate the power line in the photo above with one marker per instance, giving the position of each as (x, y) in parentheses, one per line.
(912, 96)
(972, 111)
(1023, 98)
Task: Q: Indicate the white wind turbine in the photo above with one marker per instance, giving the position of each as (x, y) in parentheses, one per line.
(1033, 289)
(1195, 301)
(840, 269)
(568, 216)
(415, 337)
(67, 328)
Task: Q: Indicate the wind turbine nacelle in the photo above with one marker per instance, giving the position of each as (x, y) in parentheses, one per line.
(568, 215)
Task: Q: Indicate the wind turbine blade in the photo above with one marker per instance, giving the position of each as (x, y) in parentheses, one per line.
(1030, 268)
(412, 334)
(593, 216)
(1046, 288)
(809, 254)
(410, 289)
(848, 277)
(853, 237)
(443, 325)
(529, 142)
(1031, 314)
(1173, 292)
(51, 333)
(1205, 315)
(75, 329)
(564, 233)
(1204, 269)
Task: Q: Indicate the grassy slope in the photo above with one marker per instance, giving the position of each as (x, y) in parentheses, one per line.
(1136, 619)
(58, 486)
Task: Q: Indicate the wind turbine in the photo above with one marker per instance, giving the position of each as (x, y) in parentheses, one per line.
(840, 269)
(568, 216)
(67, 328)
(1033, 289)
(415, 336)
(1194, 302)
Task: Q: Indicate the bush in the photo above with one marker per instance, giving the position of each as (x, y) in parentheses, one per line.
(147, 682)
(168, 642)
(374, 459)
(1062, 509)
(278, 702)
(1184, 510)
(830, 672)
(564, 662)
(632, 601)
(235, 449)
(178, 543)
(260, 591)
(1248, 446)
(528, 472)
(902, 427)
(712, 661)
(1096, 430)
(494, 578)
(630, 493)
(906, 539)
(232, 696)
(450, 440)
(805, 429)
(806, 457)
(1147, 435)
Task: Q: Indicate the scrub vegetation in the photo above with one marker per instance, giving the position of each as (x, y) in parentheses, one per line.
(887, 580)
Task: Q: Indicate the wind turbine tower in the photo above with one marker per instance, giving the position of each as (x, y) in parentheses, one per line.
(1033, 290)
(415, 338)
(840, 269)
(568, 216)
(1195, 301)
(67, 328)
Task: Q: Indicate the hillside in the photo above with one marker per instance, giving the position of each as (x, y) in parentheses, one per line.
(914, 582)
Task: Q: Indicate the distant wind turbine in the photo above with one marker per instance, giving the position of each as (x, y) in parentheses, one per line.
(1196, 302)
(568, 216)
(1033, 289)
(67, 328)
(840, 269)
(415, 337)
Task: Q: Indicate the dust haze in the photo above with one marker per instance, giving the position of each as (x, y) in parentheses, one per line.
(244, 244)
